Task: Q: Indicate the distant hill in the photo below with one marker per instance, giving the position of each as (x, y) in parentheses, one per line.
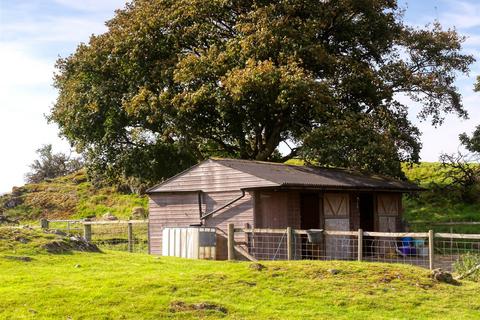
(436, 206)
(71, 197)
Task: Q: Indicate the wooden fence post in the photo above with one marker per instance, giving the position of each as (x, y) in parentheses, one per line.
(360, 244)
(148, 237)
(44, 223)
(431, 255)
(290, 243)
(231, 242)
(130, 237)
(87, 232)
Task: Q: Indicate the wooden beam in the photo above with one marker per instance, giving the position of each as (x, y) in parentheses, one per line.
(231, 242)
(290, 248)
(360, 245)
(87, 232)
(431, 255)
(130, 237)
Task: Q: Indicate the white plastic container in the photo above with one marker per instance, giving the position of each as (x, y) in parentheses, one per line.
(189, 242)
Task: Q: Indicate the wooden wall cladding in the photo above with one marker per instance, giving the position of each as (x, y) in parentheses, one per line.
(388, 204)
(336, 204)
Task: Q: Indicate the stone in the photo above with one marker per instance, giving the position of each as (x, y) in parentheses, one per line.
(334, 271)
(139, 213)
(257, 266)
(442, 276)
(109, 216)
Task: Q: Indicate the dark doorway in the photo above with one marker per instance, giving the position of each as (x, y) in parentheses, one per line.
(365, 207)
(309, 219)
(309, 211)
(367, 222)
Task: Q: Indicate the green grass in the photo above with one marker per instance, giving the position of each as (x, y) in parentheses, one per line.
(437, 206)
(115, 285)
(70, 197)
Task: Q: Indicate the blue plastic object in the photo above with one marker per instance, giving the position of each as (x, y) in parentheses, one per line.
(407, 247)
(407, 242)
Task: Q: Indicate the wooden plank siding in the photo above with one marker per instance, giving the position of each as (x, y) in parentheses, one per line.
(181, 210)
(277, 209)
(176, 203)
(211, 176)
(388, 211)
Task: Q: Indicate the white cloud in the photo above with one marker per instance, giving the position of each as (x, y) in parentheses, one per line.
(30, 42)
(462, 14)
(21, 70)
(92, 5)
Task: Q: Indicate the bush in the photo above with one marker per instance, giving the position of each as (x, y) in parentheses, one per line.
(466, 263)
(51, 165)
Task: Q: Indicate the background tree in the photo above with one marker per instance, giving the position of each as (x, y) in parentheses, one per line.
(462, 177)
(173, 82)
(472, 143)
(51, 165)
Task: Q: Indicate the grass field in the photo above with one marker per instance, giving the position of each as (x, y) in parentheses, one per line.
(437, 206)
(69, 197)
(116, 285)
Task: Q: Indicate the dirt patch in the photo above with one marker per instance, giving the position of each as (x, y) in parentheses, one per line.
(389, 277)
(19, 258)
(180, 306)
(70, 244)
(256, 266)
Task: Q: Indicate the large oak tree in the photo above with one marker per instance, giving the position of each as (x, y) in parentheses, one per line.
(174, 81)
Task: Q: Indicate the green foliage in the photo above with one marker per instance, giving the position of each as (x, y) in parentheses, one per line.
(472, 143)
(50, 165)
(466, 263)
(436, 204)
(70, 197)
(133, 286)
(173, 82)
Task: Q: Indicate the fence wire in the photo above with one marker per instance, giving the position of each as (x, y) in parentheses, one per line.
(70, 227)
(451, 253)
(267, 246)
(413, 250)
(108, 236)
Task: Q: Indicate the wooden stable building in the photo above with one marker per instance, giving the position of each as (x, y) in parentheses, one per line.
(257, 194)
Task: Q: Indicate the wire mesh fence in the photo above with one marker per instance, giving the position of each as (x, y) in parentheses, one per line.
(408, 248)
(71, 227)
(267, 245)
(127, 235)
(452, 249)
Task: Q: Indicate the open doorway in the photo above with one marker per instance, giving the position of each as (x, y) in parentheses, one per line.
(309, 211)
(367, 220)
(309, 219)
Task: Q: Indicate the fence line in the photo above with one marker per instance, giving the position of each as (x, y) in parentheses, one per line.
(448, 223)
(124, 235)
(426, 249)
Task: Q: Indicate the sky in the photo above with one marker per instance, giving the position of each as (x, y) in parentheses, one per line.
(34, 33)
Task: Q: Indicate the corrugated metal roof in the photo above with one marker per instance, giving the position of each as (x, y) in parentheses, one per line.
(307, 176)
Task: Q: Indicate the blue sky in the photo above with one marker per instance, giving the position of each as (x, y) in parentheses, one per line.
(33, 34)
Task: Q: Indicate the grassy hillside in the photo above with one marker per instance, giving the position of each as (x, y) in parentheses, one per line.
(115, 285)
(71, 196)
(437, 206)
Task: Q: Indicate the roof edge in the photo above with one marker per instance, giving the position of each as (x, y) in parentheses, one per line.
(151, 189)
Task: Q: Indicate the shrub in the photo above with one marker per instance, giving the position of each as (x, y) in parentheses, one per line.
(466, 263)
